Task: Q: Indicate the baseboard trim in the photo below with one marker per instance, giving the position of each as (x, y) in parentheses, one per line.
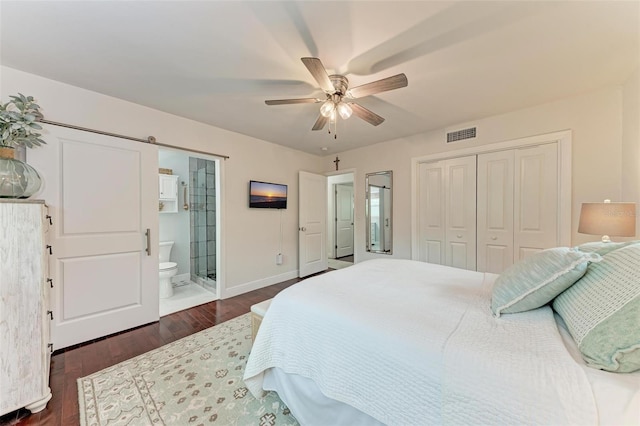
(258, 284)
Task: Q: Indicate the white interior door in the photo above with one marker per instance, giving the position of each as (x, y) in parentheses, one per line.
(312, 219)
(431, 212)
(495, 211)
(536, 200)
(102, 195)
(460, 218)
(447, 212)
(344, 220)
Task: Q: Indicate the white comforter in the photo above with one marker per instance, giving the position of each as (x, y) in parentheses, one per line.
(411, 343)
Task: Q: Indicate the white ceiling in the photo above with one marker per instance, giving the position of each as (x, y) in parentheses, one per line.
(217, 61)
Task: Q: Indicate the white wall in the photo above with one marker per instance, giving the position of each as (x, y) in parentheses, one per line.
(250, 239)
(595, 119)
(249, 236)
(631, 143)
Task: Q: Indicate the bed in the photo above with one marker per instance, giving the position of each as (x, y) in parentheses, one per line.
(402, 342)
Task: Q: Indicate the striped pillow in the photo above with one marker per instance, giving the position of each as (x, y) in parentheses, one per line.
(603, 248)
(602, 311)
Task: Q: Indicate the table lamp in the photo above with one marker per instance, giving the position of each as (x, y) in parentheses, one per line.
(608, 219)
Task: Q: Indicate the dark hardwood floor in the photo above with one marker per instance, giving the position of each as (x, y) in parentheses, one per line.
(78, 361)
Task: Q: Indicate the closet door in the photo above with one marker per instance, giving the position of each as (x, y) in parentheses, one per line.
(431, 212)
(460, 218)
(536, 200)
(447, 212)
(495, 211)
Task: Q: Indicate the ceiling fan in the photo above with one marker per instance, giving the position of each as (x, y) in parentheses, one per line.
(339, 95)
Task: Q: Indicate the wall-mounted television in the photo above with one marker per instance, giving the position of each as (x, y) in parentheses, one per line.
(265, 195)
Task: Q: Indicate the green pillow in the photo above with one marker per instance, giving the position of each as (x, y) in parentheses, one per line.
(604, 248)
(602, 311)
(537, 279)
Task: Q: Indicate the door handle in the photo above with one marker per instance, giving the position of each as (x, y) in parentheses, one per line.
(302, 228)
(494, 238)
(148, 235)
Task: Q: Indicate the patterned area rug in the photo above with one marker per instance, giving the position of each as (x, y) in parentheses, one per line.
(193, 381)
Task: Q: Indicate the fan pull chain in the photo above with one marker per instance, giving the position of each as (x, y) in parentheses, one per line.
(335, 128)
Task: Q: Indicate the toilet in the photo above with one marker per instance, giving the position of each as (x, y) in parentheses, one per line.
(167, 269)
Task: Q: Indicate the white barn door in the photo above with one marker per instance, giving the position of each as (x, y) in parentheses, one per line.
(103, 196)
(312, 223)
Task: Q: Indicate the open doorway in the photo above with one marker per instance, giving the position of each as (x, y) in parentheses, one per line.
(188, 229)
(340, 215)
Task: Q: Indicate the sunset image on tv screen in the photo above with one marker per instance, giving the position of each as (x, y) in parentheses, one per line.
(268, 195)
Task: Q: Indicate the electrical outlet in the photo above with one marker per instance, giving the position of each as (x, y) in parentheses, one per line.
(279, 259)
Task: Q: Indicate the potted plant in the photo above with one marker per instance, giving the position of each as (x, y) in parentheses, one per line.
(18, 128)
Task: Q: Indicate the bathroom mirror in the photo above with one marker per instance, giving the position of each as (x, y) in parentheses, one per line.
(379, 203)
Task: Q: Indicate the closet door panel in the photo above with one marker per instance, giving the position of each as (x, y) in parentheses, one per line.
(495, 211)
(431, 212)
(536, 195)
(460, 218)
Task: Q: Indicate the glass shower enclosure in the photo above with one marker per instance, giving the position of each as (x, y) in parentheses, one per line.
(202, 201)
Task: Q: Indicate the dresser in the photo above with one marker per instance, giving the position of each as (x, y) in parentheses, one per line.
(25, 312)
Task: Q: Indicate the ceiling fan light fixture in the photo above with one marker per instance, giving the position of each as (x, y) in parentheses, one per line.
(332, 116)
(344, 110)
(336, 89)
(327, 108)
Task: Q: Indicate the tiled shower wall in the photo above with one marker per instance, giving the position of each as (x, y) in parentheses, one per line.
(202, 200)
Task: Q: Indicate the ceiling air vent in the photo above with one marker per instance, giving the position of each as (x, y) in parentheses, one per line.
(459, 135)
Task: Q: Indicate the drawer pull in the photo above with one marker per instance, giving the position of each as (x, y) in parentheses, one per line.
(50, 249)
(50, 346)
(50, 313)
(50, 220)
(50, 281)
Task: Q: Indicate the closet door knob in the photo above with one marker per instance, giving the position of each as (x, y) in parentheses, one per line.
(459, 235)
(494, 238)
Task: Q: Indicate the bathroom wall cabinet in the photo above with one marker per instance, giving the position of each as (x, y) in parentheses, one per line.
(25, 313)
(168, 193)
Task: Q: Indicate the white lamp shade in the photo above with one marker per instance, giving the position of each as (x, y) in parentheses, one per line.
(344, 110)
(327, 108)
(617, 219)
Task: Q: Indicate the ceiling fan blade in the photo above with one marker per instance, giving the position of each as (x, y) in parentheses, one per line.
(319, 72)
(389, 83)
(292, 101)
(320, 122)
(365, 114)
